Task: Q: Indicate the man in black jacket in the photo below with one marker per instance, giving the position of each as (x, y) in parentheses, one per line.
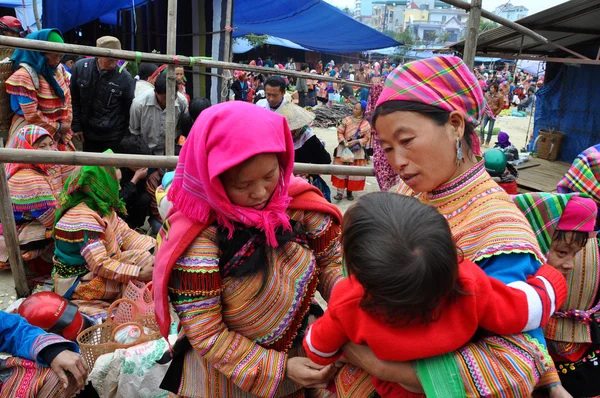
(101, 95)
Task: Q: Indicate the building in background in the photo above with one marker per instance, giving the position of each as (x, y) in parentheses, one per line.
(388, 15)
(363, 10)
(511, 12)
(431, 23)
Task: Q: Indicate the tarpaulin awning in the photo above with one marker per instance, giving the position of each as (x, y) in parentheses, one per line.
(313, 24)
(241, 45)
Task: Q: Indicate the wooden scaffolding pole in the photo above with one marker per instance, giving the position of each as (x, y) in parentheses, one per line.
(472, 33)
(11, 239)
(227, 44)
(171, 123)
(514, 26)
(151, 161)
(45, 46)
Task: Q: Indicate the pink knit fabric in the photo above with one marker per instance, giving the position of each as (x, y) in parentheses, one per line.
(222, 137)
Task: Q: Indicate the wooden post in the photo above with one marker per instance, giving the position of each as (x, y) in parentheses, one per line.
(227, 47)
(171, 123)
(472, 33)
(11, 239)
(36, 14)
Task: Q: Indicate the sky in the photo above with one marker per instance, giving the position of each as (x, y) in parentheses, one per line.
(533, 5)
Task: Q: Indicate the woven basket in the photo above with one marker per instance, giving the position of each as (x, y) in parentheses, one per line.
(100, 339)
(549, 144)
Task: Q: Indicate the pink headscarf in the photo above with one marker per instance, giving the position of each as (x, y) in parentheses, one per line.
(224, 136)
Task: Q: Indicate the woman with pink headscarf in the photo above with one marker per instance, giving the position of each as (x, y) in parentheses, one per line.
(242, 254)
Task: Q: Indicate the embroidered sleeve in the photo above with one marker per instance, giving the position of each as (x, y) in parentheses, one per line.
(21, 85)
(102, 263)
(30, 192)
(195, 289)
(133, 240)
(341, 131)
(324, 240)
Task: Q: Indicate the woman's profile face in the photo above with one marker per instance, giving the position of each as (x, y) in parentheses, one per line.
(420, 151)
(357, 110)
(252, 183)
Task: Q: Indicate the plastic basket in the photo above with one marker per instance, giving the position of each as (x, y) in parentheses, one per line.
(100, 339)
(141, 294)
(549, 144)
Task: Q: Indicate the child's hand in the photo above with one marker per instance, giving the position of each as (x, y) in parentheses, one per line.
(69, 361)
(558, 391)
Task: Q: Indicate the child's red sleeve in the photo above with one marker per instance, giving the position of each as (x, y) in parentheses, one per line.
(324, 340)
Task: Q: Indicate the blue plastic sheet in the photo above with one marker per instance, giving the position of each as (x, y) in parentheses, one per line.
(313, 24)
(570, 103)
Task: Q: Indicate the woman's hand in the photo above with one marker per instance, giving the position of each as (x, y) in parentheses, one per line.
(145, 274)
(397, 372)
(558, 391)
(308, 374)
(68, 361)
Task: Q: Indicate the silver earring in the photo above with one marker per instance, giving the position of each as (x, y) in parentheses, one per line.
(459, 152)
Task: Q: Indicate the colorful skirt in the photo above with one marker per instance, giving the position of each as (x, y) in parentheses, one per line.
(352, 183)
(23, 378)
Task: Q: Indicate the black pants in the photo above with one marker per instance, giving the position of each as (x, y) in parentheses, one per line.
(100, 146)
(301, 99)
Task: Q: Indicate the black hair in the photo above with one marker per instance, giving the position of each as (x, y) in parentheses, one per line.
(197, 106)
(260, 77)
(160, 85)
(495, 85)
(403, 254)
(276, 81)
(304, 66)
(437, 115)
(578, 237)
(70, 57)
(146, 70)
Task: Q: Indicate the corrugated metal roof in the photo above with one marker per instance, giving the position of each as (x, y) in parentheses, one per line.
(571, 23)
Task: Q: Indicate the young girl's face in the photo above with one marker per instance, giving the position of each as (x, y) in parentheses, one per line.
(252, 183)
(44, 144)
(562, 253)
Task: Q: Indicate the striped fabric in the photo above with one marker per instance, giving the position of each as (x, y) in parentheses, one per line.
(543, 211)
(584, 174)
(103, 250)
(347, 131)
(24, 378)
(444, 82)
(46, 109)
(243, 334)
(482, 217)
(485, 223)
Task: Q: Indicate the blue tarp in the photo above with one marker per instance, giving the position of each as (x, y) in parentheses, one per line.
(67, 15)
(241, 45)
(570, 102)
(313, 24)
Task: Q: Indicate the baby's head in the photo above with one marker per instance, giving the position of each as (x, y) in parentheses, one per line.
(576, 224)
(402, 253)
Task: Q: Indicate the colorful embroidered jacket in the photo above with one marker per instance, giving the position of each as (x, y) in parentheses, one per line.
(32, 97)
(20, 339)
(242, 331)
(103, 251)
(494, 234)
(33, 196)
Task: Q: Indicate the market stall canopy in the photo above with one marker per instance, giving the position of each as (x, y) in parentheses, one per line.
(312, 24)
(570, 24)
(241, 45)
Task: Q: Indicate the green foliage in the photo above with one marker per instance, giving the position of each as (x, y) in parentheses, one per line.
(256, 40)
(389, 33)
(444, 37)
(486, 24)
(405, 38)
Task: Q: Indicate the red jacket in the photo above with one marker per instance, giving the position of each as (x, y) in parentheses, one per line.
(487, 303)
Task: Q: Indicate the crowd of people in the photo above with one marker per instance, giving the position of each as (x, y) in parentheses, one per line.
(441, 285)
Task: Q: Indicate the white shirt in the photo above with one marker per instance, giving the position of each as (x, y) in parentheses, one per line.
(148, 119)
(141, 86)
(263, 103)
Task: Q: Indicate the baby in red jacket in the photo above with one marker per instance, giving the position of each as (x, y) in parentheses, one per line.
(410, 296)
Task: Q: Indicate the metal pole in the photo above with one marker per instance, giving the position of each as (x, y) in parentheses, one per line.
(45, 46)
(170, 123)
(11, 239)
(514, 26)
(227, 47)
(151, 161)
(472, 33)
